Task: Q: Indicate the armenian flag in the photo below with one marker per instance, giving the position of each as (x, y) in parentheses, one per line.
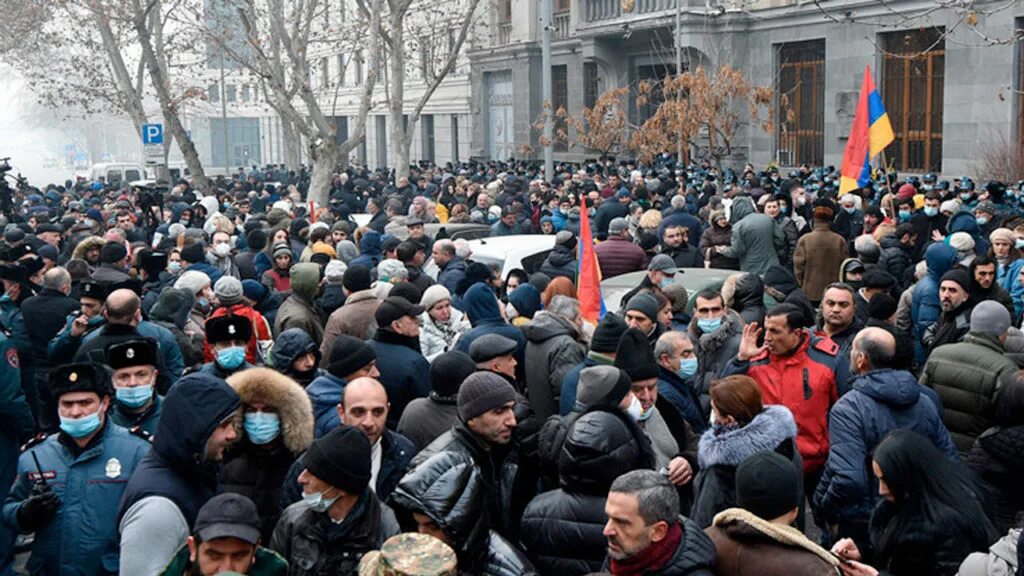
(588, 274)
(870, 134)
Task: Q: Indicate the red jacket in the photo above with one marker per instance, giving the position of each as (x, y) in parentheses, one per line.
(808, 382)
(261, 335)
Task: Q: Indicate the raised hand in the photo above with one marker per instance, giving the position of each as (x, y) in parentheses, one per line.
(748, 343)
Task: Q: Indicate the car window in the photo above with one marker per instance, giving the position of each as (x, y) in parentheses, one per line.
(113, 176)
(132, 175)
(533, 262)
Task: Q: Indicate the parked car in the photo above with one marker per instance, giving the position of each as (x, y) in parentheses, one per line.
(526, 251)
(694, 279)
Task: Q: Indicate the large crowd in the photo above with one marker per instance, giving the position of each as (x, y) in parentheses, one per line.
(241, 380)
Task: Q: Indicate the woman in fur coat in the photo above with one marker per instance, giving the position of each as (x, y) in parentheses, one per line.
(277, 426)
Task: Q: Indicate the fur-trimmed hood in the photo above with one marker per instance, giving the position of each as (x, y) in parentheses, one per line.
(86, 244)
(284, 394)
(738, 520)
(765, 432)
(711, 342)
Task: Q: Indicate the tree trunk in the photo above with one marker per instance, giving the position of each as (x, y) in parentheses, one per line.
(291, 143)
(399, 153)
(324, 154)
(130, 98)
(167, 106)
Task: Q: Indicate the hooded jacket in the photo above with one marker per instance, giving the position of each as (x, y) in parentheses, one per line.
(288, 346)
(258, 471)
(481, 306)
(561, 261)
(298, 311)
(998, 459)
(713, 351)
(172, 311)
(748, 299)
(175, 471)
(450, 489)
(881, 401)
(756, 238)
(452, 273)
(895, 258)
(720, 452)
(526, 301)
(369, 250)
(924, 308)
(554, 347)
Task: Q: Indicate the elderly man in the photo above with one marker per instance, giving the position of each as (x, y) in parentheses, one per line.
(555, 343)
(404, 372)
(618, 255)
(451, 268)
(677, 368)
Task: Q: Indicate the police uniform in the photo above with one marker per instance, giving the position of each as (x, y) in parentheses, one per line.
(64, 345)
(80, 538)
(140, 352)
(224, 329)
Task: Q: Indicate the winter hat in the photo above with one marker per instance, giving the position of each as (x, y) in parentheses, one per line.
(991, 318)
(324, 248)
(280, 249)
(677, 295)
(253, 290)
(906, 192)
(256, 240)
(962, 241)
(113, 252)
(194, 253)
(540, 281)
(448, 371)
(490, 346)
(986, 206)
(607, 334)
(1004, 234)
(605, 385)
(228, 290)
(882, 306)
(346, 251)
(483, 391)
(410, 554)
(334, 272)
(356, 278)
(349, 354)
(617, 225)
(767, 485)
(644, 303)
(433, 295)
(341, 458)
(635, 356)
(80, 377)
(958, 275)
(193, 281)
(566, 238)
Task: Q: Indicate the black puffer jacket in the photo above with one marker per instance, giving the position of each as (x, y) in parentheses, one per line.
(450, 489)
(998, 458)
(561, 261)
(563, 529)
(748, 300)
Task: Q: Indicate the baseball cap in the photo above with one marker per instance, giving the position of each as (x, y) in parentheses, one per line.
(393, 308)
(228, 515)
(663, 263)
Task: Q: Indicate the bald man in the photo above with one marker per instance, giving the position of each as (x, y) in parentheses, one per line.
(124, 322)
(882, 400)
(364, 405)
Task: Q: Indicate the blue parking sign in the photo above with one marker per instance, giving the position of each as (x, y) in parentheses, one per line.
(152, 133)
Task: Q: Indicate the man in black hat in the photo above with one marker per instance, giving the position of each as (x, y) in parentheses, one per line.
(955, 321)
(495, 353)
(78, 323)
(228, 337)
(339, 518)
(113, 264)
(226, 538)
(136, 402)
(875, 281)
(50, 234)
(413, 255)
(89, 451)
(404, 371)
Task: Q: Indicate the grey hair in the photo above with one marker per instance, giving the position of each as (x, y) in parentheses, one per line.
(389, 270)
(56, 278)
(866, 244)
(657, 499)
(667, 342)
(462, 249)
(445, 245)
(678, 202)
(565, 306)
(920, 269)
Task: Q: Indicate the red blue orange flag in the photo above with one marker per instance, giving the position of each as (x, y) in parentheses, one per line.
(588, 274)
(870, 134)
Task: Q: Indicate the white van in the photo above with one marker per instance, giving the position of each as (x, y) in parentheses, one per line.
(114, 172)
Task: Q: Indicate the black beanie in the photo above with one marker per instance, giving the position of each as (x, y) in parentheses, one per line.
(256, 239)
(882, 306)
(960, 276)
(341, 458)
(406, 290)
(607, 334)
(356, 278)
(767, 485)
(635, 356)
(194, 253)
(481, 392)
(113, 252)
(448, 371)
(349, 354)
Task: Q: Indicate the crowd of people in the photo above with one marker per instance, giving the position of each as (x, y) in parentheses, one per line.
(240, 380)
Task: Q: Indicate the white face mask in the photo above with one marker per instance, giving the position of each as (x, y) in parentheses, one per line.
(222, 249)
(635, 409)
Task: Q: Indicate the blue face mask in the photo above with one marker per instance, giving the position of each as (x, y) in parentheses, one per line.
(203, 303)
(965, 196)
(5, 298)
(665, 282)
(262, 427)
(931, 211)
(134, 397)
(231, 358)
(80, 427)
(317, 502)
(982, 220)
(904, 215)
(174, 267)
(850, 209)
(709, 324)
(688, 367)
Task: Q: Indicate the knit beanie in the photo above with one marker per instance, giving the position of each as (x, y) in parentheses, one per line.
(194, 253)
(228, 290)
(607, 334)
(324, 248)
(644, 303)
(280, 249)
(334, 272)
(356, 278)
(341, 458)
(635, 356)
(256, 240)
(958, 275)
(1004, 234)
(991, 318)
(604, 385)
(882, 306)
(193, 281)
(406, 290)
(346, 251)
(481, 392)
(113, 252)
(448, 371)
(767, 485)
(253, 290)
(433, 295)
(349, 354)
(566, 238)
(962, 241)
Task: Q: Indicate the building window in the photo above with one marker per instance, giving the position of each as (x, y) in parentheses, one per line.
(340, 129)
(590, 85)
(213, 93)
(426, 56)
(800, 103)
(560, 106)
(231, 94)
(504, 11)
(341, 70)
(243, 141)
(562, 6)
(427, 137)
(455, 139)
(655, 76)
(246, 93)
(382, 141)
(913, 69)
(325, 79)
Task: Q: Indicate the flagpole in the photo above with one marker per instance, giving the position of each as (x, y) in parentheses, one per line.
(888, 184)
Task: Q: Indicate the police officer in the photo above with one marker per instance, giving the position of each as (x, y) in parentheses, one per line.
(136, 403)
(69, 484)
(88, 319)
(227, 336)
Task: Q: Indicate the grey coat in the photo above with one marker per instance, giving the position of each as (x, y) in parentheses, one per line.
(554, 346)
(757, 239)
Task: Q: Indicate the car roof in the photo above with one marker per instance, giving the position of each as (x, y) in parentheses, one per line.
(514, 245)
(694, 279)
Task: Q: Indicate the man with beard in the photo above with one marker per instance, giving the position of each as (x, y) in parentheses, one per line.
(955, 321)
(984, 285)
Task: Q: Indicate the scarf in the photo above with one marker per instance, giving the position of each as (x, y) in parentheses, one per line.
(650, 559)
(392, 337)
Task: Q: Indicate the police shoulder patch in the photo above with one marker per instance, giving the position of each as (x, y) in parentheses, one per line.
(37, 440)
(138, 431)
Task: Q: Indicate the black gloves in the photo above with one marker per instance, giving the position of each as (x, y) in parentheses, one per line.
(40, 507)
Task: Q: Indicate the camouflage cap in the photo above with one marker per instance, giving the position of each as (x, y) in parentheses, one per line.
(410, 555)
